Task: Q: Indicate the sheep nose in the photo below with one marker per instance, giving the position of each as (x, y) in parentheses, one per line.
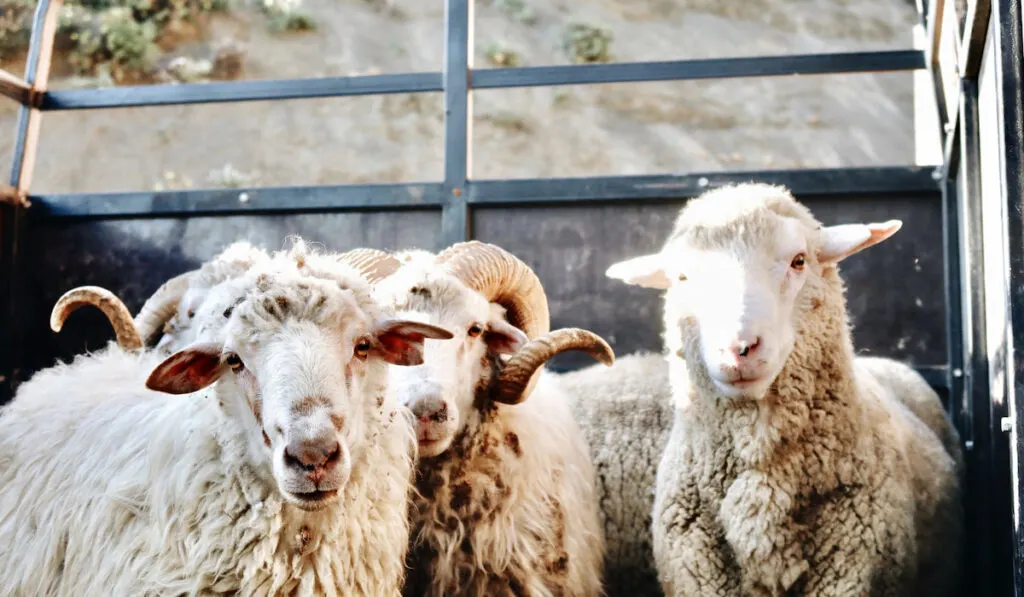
(430, 408)
(313, 455)
(744, 348)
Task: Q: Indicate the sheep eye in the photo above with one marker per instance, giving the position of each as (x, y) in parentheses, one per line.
(191, 313)
(475, 330)
(798, 262)
(362, 349)
(234, 361)
(682, 277)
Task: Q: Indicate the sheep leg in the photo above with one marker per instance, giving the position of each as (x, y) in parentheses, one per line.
(689, 551)
(757, 515)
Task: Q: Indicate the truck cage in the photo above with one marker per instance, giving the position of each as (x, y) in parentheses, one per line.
(973, 56)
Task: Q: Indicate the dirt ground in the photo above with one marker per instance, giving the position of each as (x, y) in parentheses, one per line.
(755, 123)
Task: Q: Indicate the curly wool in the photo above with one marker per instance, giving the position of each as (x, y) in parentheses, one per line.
(508, 509)
(625, 413)
(149, 494)
(828, 485)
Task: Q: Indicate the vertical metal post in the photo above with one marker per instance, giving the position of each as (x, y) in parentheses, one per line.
(1010, 73)
(987, 499)
(952, 280)
(37, 74)
(458, 103)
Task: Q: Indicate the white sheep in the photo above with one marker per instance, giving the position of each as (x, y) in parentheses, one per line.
(286, 471)
(625, 413)
(788, 471)
(172, 308)
(505, 502)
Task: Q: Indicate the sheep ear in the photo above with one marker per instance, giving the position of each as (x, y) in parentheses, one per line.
(401, 342)
(647, 271)
(503, 338)
(839, 242)
(188, 370)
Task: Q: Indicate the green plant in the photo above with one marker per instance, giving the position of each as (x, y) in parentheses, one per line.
(501, 56)
(587, 43)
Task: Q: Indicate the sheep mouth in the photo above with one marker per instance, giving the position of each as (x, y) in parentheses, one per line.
(313, 500)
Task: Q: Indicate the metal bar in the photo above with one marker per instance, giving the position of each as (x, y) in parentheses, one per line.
(974, 416)
(239, 91)
(713, 68)
(951, 246)
(282, 89)
(972, 43)
(14, 88)
(37, 73)
(909, 180)
(1011, 79)
(839, 181)
(225, 202)
(458, 115)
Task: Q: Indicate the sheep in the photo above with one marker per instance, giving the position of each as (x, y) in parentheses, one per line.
(505, 488)
(287, 472)
(171, 309)
(625, 413)
(789, 470)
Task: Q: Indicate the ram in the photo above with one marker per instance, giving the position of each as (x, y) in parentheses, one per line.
(506, 492)
(285, 470)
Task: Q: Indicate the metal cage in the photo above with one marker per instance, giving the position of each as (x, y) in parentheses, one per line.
(969, 376)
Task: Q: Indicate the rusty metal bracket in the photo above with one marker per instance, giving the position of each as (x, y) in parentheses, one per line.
(12, 196)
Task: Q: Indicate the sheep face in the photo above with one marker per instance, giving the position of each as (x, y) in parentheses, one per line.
(305, 369)
(444, 393)
(742, 267)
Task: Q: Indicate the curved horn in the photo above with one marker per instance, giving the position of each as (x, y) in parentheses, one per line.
(115, 310)
(161, 306)
(519, 375)
(504, 279)
(374, 265)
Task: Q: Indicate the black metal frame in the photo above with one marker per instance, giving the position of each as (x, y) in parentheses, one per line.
(965, 377)
(458, 193)
(990, 429)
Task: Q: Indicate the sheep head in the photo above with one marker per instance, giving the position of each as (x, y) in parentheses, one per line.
(303, 362)
(745, 268)
(496, 307)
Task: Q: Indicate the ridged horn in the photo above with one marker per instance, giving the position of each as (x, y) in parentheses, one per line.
(501, 278)
(161, 306)
(374, 265)
(117, 313)
(517, 378)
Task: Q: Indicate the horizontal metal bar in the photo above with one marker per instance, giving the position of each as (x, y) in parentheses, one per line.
(223, 202)
(14, 87)
(713, 68)
(278, 89)
(239, 91)
(838, 181)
